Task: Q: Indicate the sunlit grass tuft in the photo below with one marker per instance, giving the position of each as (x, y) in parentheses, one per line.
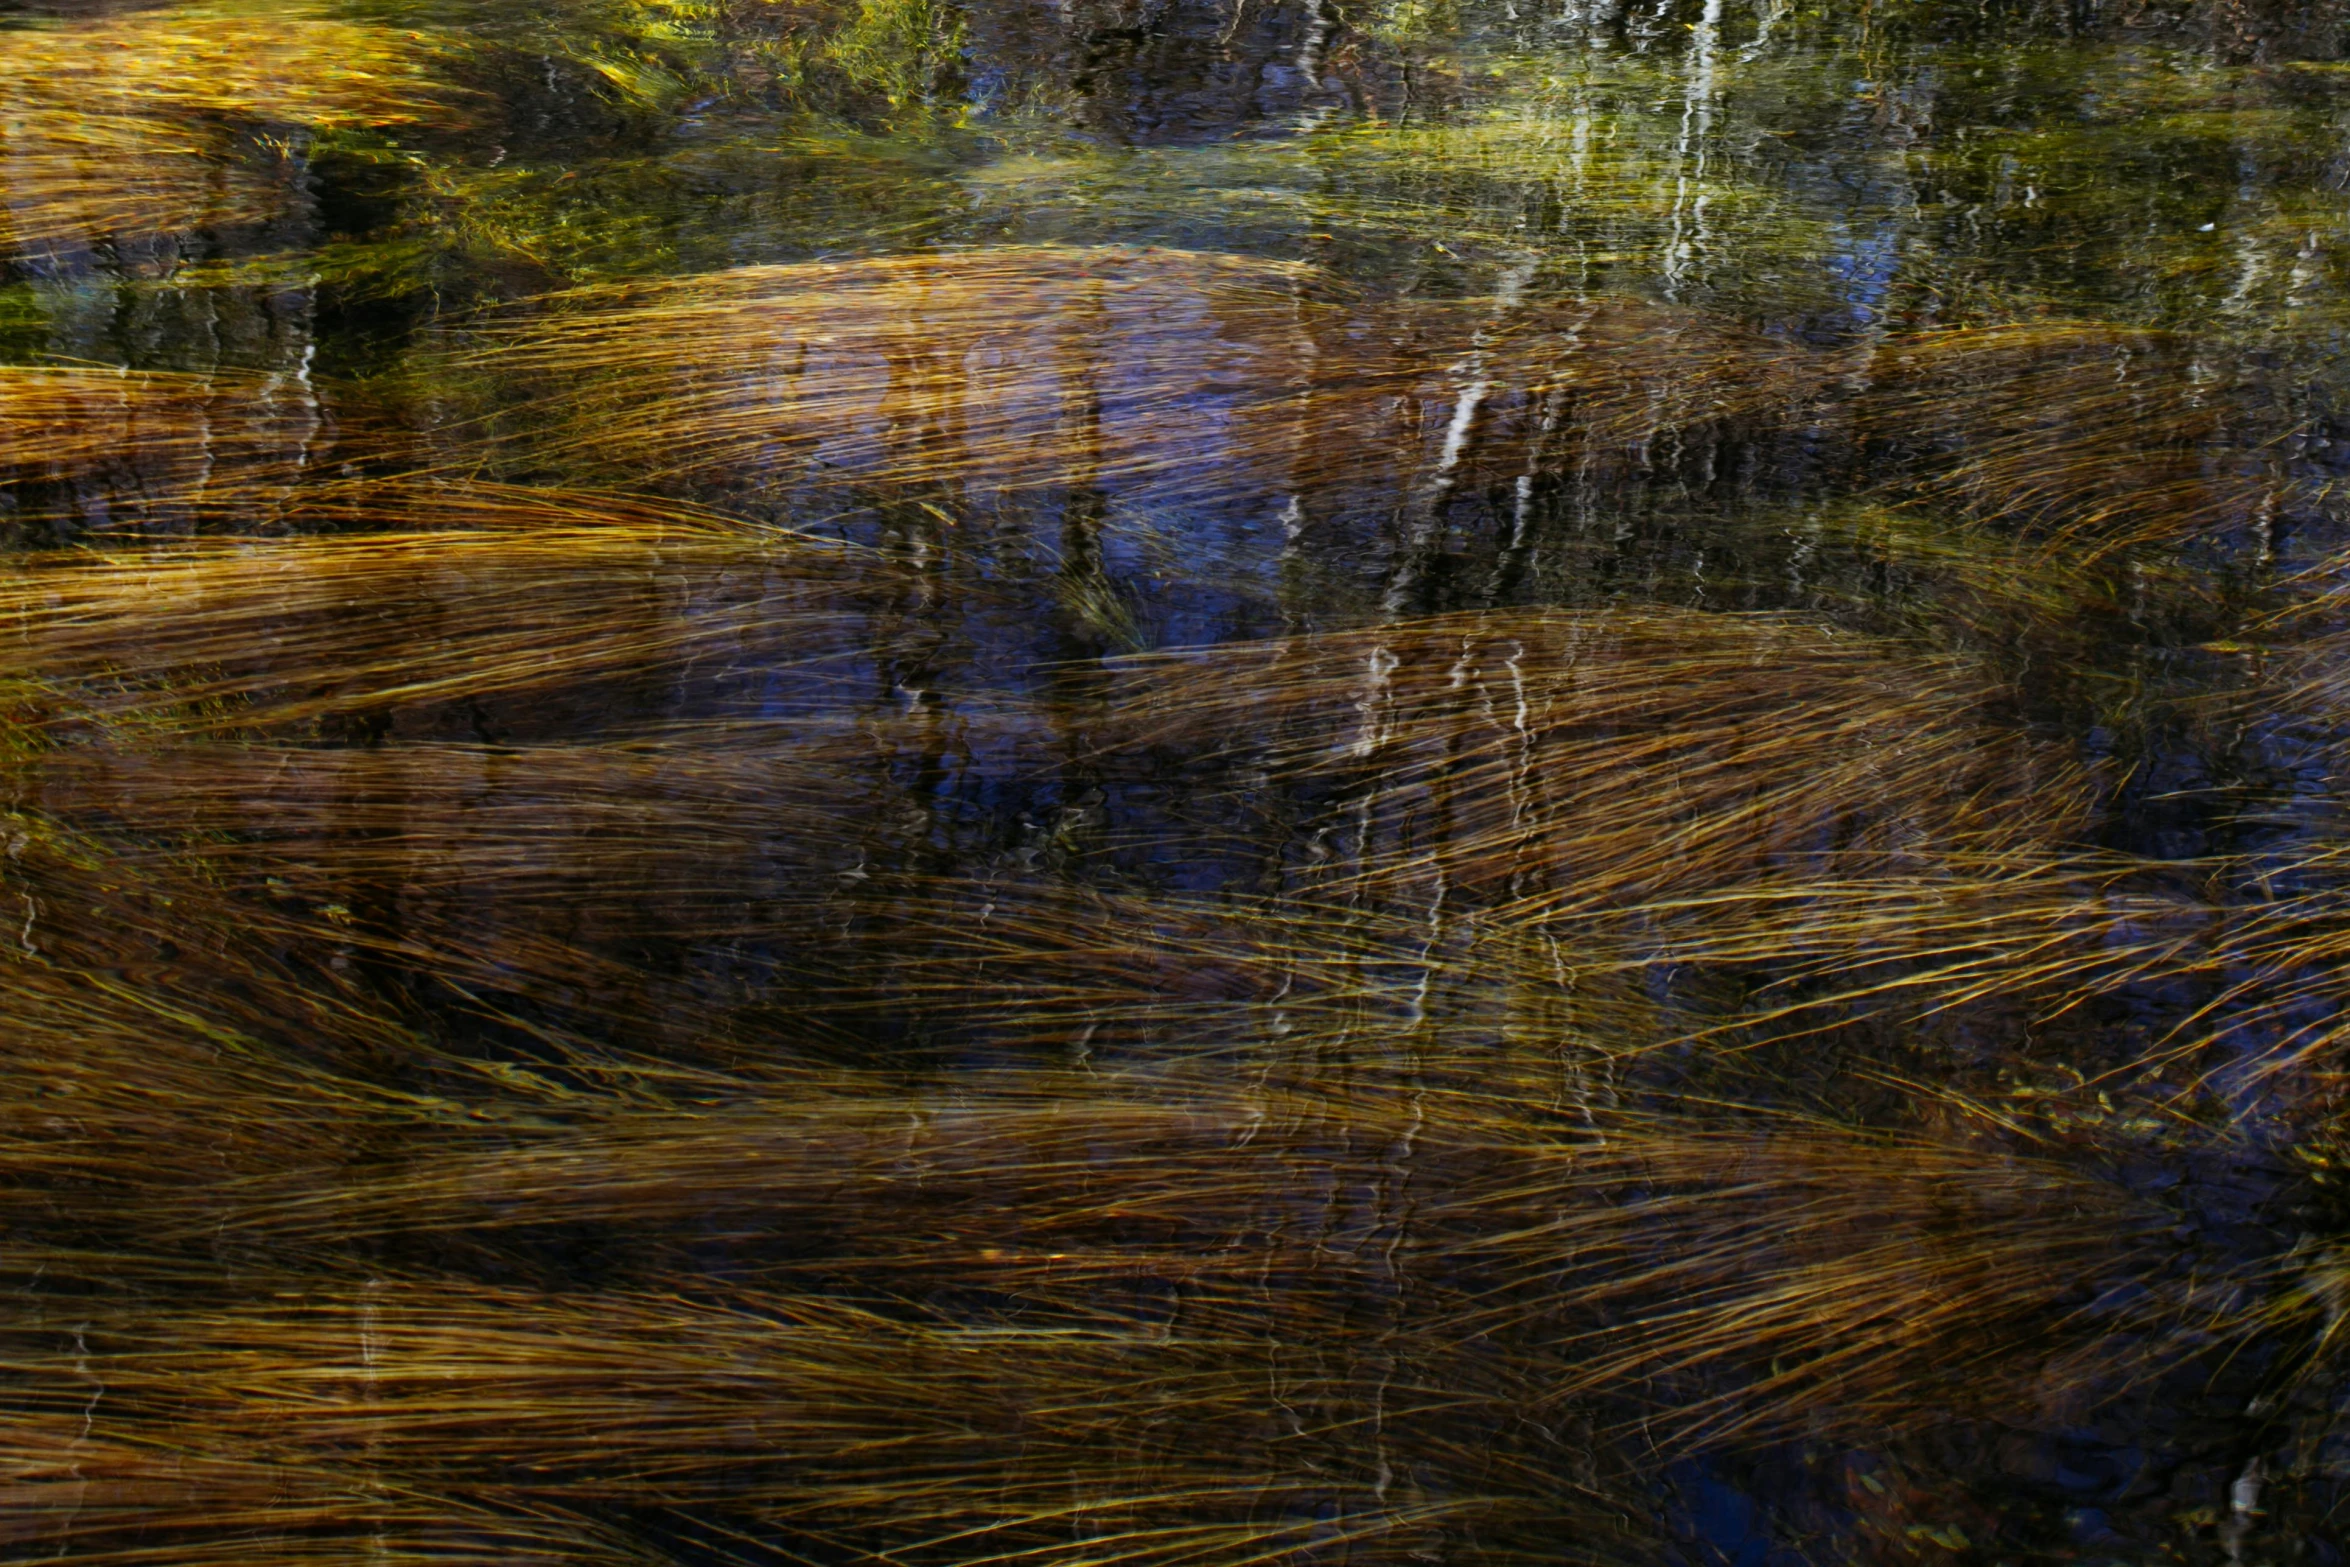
(160, 122)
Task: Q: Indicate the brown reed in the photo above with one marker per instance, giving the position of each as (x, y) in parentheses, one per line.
(84, 449)
(1208, 378)
(294, 632)
(1555, 762)
(1466, 796)
(1602, 1259)
(1644, 787)
(2093, 438)
(534, 1039)
(1378, 1290)
(1165, 1245)
(277, 66)
(127, 126)
(1184, 374)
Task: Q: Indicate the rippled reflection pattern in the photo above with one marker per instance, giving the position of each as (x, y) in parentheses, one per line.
(935, 782)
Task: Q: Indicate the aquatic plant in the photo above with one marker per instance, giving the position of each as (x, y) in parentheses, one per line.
(1511, 729)
(1072, 1290)
(1248, 786)
(975, 373)
(962, 379)
(305, 630)
(2092, 438)
(161, 122)
(86, 449)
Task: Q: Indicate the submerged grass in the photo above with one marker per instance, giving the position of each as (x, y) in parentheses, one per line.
(1115, 384)
(1556, 762)
(1333, 1237)
(160, 123)
(576, 952)
(2090, 439)
(1376, 1295)
(1436, 1301)
(1199, 376)
(1637, 784)
(283, 66)
(282, 636)
(549, 1020)
(86, 449)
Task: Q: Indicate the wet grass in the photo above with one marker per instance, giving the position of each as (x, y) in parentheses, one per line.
(1406, 1138)
(1496, 848)
(154, 123)
(1366, 1287)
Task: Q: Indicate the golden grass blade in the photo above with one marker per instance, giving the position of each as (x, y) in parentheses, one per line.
(269, 66)
(1889, 1282)
(109, 449)
(1120, 1263)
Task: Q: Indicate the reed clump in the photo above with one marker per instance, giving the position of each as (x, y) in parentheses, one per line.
(541, 765)
(1294, 1257)
(1149, 378)
(77, 176)
(568, 741)
(1172, 1317)
(2091, 439)
(164, 1035)
(678, 891)
(1176, 375)
(1375, 1293)
(283, 67)
(83, 1497)
(288, 634)
(85, 450)
(156, 123)
(1014, 365)
(805, 1424)
(1555, 762)
(548, 1021)
(1748, 830)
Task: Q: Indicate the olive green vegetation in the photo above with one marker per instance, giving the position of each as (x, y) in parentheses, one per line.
(941, 783)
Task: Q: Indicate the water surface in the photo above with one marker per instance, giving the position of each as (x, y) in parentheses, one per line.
(1173, 782)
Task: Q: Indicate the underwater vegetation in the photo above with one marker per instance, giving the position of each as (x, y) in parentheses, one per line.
(146, 124)
(892, 781)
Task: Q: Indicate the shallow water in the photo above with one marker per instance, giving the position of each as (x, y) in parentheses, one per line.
(1173, 782)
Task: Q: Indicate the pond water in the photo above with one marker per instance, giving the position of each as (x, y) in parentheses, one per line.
(1174, 781)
